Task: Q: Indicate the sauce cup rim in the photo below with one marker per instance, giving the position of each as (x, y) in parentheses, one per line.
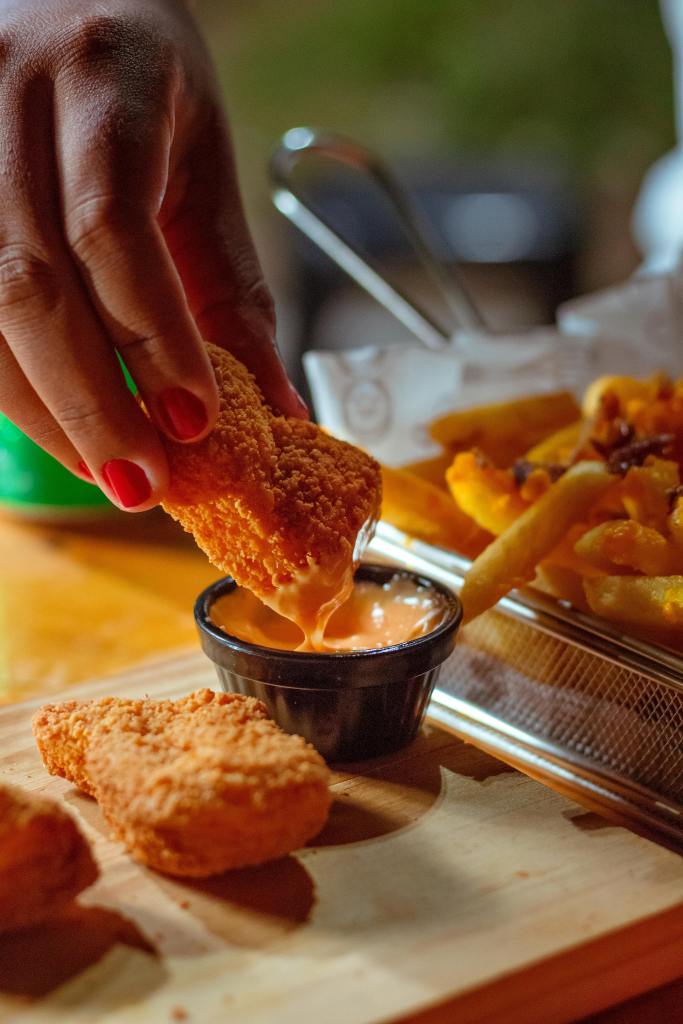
(322, 668)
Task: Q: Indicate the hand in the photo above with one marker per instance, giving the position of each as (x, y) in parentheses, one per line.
(121, 229)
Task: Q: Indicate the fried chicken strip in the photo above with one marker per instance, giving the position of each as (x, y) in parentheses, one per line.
(44, 859)
(194, 786)
(277, 503)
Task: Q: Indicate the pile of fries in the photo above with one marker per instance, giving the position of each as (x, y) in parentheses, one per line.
(583, 502)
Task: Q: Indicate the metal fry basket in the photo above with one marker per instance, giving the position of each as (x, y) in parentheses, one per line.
(563, 696)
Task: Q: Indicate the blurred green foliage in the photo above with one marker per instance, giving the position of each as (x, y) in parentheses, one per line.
(585, 82)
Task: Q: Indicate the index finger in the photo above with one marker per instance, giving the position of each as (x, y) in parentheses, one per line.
(113, 174)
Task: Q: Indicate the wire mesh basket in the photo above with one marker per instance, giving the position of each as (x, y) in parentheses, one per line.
(563, 696)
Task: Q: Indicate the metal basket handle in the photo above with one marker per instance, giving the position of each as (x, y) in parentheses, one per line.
(295, 144)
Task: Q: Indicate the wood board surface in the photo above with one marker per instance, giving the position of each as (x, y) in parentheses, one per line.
(443, 883)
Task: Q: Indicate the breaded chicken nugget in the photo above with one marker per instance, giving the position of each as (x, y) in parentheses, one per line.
(272, 500)
(44, 860)
(193, 786)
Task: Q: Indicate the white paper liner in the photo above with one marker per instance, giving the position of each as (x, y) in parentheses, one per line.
(383, 399)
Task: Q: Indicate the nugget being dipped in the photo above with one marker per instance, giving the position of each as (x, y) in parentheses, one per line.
(193, 786)
(279, 504)
(44, 860)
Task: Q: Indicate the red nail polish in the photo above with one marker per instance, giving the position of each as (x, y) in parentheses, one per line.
(182, 413)
(128, 482)
(85, 470)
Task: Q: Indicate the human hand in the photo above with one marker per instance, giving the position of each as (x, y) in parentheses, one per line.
(121, 228)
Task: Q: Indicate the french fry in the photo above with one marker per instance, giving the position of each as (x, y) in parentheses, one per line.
(432, 470)
(675, 523)
(565, 584)
(650, 407)
(486, 494)
(505, 430)
(511, 559)
(535, 485)
(643, 602)
(645, 492)
(424, 511)
(626, 544)
(564, 555)
(558, 447)
(625, 389)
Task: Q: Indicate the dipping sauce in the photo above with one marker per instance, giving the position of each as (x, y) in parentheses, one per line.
(374, 616)
(311, 598)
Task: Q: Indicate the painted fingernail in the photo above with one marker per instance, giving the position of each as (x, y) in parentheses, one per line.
(127, 481)
(182, 413)
(85, 471)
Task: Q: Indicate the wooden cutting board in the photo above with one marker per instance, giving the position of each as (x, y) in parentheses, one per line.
(443, 880)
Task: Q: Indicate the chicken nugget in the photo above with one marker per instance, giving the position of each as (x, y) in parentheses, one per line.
(282, 506)
(44, 859)
(194, 786)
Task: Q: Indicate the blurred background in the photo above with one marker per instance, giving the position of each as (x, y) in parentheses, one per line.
(523, 129)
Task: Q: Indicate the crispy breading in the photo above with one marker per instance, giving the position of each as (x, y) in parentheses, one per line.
(194, 786)
(265, 496)
(44, 860)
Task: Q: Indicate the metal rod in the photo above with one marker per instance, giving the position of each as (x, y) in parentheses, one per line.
(417, 321)
(288, 199)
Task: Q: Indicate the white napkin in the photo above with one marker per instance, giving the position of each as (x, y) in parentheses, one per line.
(383, 399)
(645, 315)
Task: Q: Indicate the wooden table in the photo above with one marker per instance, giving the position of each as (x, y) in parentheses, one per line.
(79, 605)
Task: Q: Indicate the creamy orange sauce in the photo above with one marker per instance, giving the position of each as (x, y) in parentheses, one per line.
(311, 600)
(312, 597)
(373, 616)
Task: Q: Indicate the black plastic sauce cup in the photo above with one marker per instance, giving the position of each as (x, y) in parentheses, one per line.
(352, 705)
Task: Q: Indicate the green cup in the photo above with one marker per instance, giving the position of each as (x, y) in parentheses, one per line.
(33, 485)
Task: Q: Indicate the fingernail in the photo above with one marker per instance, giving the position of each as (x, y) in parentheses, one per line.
(127, 481)
(85, 471)
(182, 413)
